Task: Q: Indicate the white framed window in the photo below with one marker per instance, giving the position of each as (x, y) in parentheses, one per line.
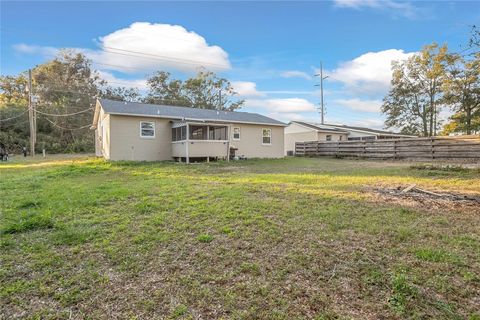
(236, 133)
(328, 137)
(147, 129)
(267, 136)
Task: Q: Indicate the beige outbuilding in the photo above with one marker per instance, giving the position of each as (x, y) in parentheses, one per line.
(299, 131)
(148, 132)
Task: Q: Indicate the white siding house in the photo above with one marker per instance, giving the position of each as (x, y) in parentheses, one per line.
(147, 132)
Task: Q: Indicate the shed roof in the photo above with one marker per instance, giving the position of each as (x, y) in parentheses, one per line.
(343, 128)
(374, 131)
(317, 128)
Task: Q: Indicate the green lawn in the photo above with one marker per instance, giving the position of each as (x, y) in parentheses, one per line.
(260, 239)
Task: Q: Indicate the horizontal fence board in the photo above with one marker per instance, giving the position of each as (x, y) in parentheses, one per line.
(459, 147)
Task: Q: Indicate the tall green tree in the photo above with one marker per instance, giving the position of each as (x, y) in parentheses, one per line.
(119, 93)
(14, 127)
(415, 98)
(65, 89)
(474, 41)
(204, 91)
(462, 90)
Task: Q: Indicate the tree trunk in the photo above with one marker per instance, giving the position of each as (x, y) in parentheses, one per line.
(469, 119)
(431, 115)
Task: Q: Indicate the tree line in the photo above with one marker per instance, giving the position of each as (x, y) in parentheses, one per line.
(65, 89)
(432, 81)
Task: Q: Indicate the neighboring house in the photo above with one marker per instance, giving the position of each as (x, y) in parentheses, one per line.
(148, 132)
(362, 133)
(298, 131)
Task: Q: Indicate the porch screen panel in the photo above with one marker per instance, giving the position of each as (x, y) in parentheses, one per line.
(198, 132)
(183, 133)
(218, 133)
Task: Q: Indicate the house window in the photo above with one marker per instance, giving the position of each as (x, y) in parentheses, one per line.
(217, 133)
(236, 133)
(266, 136)
(329, 137)
(147, 129)
(340, 138)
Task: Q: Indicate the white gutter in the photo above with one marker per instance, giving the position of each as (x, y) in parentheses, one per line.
(193, 119)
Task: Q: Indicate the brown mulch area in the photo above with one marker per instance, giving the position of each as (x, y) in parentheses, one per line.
(412, 196)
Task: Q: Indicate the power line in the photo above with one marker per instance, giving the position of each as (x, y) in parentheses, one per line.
(63, 128)
(158, 57)
(143, 55)
(64, 115)
(15, 117)
(322, 106)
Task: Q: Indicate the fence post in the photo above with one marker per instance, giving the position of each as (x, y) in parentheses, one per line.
(432, 150)
(395, 149)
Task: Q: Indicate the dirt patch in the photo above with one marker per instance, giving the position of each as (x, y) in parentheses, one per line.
(412, 195)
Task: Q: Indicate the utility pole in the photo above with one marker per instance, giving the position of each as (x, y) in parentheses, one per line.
(322, 107)
(31, 115)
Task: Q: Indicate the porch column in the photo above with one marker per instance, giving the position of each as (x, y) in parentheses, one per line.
(228, 142)
(187, 141)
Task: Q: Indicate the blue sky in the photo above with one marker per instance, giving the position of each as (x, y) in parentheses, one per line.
(269, 50)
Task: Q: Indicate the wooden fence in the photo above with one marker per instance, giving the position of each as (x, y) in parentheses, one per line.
(459, 147)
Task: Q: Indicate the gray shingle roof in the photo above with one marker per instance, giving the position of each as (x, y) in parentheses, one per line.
(376, 131)
(315, 127)
(187, 113)
(344, 128)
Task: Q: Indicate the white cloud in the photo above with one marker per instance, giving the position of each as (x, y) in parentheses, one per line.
(403, 8)
(247, 89)
(294, 92)
(371, 123)
(360, 105)
(296, 74)
(369, 73)
(161, 46)
(287, 117)
(288, 105)
(145, 46)
(112, 80)
(32, 49)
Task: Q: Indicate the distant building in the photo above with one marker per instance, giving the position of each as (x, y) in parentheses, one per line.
(299, 131)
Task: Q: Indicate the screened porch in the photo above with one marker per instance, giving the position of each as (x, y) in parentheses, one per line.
(192, 140)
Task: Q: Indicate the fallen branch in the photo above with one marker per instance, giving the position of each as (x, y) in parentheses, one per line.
(410, 187)
(429, 192)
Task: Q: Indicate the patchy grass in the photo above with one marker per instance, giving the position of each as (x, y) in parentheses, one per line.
(27, 221)
(259, 239)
